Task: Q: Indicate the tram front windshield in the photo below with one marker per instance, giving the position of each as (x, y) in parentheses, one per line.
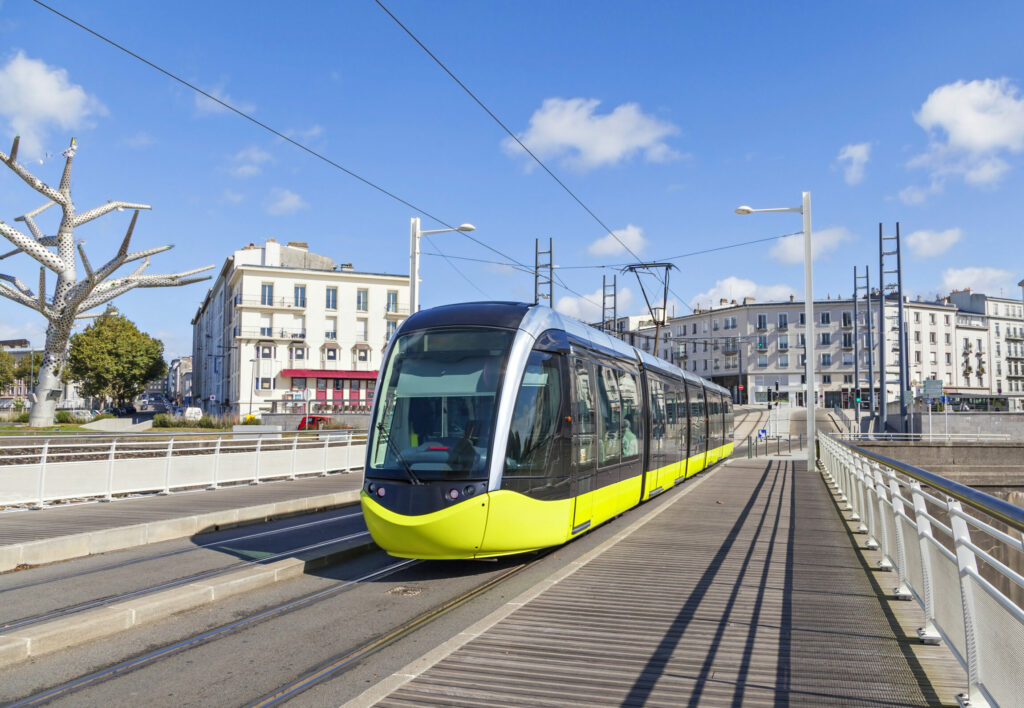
(435, 411)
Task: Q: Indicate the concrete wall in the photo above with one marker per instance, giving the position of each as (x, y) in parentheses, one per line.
(290, 421)
(978, 464)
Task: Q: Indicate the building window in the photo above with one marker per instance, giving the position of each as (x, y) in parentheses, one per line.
(298, 383)
(297, 353)
(321, 384)
(783, 320)
(949, 338)
(847, 319)
(917, 357)
(264, 384)
(267, 294)
(264, 352)
(826, 378)
(826, 318)
(931, 337)
(917, 318)
(949, 358)
(803, 319)
(931, 318)
(847, 359)
(826, 338)
(705, 365)
(848, 378)
(826, 360)
(339, 384)
(362, 300)
(783, 360)
(332, 354)
(783, 341)
(946, 318)
(300, 296)
(392, 326)
(392, 302)
(332, 298)
(762, 321)
(762, 342)
(362, 355)
(361, 330)
(762, 361)
(847, 340)
(917, 336)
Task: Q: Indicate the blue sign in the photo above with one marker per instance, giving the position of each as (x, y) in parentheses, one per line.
(762, 433)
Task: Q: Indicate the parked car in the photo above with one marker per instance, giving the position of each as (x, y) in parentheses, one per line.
(314, 422)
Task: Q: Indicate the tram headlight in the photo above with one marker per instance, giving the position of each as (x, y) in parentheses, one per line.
(453, 493)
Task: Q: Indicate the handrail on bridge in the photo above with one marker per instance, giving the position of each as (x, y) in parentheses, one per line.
(927, 541)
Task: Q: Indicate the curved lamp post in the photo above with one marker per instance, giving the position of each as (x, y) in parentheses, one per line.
(414, 257)
(811, 398)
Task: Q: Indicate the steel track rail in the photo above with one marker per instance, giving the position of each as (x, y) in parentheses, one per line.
(342, 662)
(139, 662)
(168, 554)
(71, 609)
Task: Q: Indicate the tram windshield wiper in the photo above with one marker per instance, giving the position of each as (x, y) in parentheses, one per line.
(386, 435)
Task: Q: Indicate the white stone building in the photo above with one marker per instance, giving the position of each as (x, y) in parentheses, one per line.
(288, 329)
(990, 336)
(179, 380)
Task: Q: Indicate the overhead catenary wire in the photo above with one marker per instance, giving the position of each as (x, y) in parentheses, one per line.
(281, 135)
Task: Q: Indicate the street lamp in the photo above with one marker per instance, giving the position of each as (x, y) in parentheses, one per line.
(812, 398)
(414, 257)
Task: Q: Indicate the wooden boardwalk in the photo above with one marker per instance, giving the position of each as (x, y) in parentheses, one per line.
(748, 589)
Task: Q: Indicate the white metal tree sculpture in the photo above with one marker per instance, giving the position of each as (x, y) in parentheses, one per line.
(71, 297)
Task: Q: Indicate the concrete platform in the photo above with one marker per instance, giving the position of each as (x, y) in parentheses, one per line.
(747, 588)
(62, 532)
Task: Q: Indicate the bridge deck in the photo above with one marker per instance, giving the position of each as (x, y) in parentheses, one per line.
(746, 589)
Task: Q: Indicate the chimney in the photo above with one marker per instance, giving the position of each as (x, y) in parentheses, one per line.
(723, 301)
(747, 300)
(792, 297)
(346, 266)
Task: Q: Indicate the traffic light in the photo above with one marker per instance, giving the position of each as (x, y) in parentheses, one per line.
(857, 395)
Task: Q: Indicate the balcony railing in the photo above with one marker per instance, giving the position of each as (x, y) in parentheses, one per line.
(396, 310)
(290, 303)
(330, 335)
(269, 333)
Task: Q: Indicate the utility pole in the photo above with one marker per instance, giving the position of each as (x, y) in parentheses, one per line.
(659, 321)
(885, 328)
(543, 273)
(610, 304)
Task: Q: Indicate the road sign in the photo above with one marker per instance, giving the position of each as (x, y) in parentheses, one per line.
(932, 388)
(762, 433)
(741, 387)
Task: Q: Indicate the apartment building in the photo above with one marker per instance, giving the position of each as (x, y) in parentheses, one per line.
(751, 347)
(282, 326)
(179, 380)
(990, 334)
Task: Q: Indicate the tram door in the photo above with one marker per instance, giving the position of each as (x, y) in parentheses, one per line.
(584, 443)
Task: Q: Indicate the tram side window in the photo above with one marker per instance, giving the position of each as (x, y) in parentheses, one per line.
(658, 422)
(585, 419)
(533, 441)
(698, 420)
(629, 392)
(730, 421)
(684, 427)
(675, 415)
(610, 407)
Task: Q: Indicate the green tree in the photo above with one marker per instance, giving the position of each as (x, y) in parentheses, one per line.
(7, 367)
(113, 358)
(28, 369)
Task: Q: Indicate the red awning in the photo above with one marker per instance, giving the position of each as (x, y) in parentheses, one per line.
(329, 374)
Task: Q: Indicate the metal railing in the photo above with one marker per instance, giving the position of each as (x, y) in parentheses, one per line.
(41, 469)
(925, 537)
(847, 423)
(925, 437)
(757, 446)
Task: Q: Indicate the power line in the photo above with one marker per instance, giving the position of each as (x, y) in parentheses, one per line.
(506, 129)
(278, 133)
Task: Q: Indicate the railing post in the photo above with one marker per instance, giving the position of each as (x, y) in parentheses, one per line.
(256, 457)
(881, 493)
(750, 453)
(110, 471)
(295, 449)
(967, 564)
(327, 441)
(927, 634)
(902, 591)
(167, 468)
(216, 464)
(42, 476)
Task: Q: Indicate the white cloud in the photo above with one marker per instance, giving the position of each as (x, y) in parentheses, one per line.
(913, 195)
(35, 97)
(248, 162)
(790, 249)
(855, 156)
(142, 139)
(232, 197)
(733, 288)
(206, 107)
(570, 130)
(284, 201)
(588, 308)
(991, 281)
(314, 131)
(973, 126)
(928, 244)
(632, 236)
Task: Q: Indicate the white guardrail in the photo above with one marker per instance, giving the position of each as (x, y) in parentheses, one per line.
(36, 469)
(927, 540)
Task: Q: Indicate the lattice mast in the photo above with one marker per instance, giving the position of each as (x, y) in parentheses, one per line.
(609, 304)
(72, 296)
(862, 288)
(543, 273)
(891, 328)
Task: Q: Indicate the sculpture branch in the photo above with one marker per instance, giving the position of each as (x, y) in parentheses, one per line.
(32, 181)
(32, 247)
(29, 219)
(42, 289)
(11, 294)
(17, 283)
(87, 216)
(85, 262)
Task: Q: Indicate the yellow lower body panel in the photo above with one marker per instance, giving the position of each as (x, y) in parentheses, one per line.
(455, 532)
(517, 523)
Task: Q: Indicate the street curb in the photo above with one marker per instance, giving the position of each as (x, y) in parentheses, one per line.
(112, 619)
(51, 550)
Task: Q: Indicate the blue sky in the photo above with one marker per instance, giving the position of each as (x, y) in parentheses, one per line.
(661, 116)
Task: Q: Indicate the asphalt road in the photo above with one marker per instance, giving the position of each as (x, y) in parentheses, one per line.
(257, 658)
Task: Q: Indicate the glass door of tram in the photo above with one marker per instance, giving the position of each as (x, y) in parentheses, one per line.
(584, 444)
